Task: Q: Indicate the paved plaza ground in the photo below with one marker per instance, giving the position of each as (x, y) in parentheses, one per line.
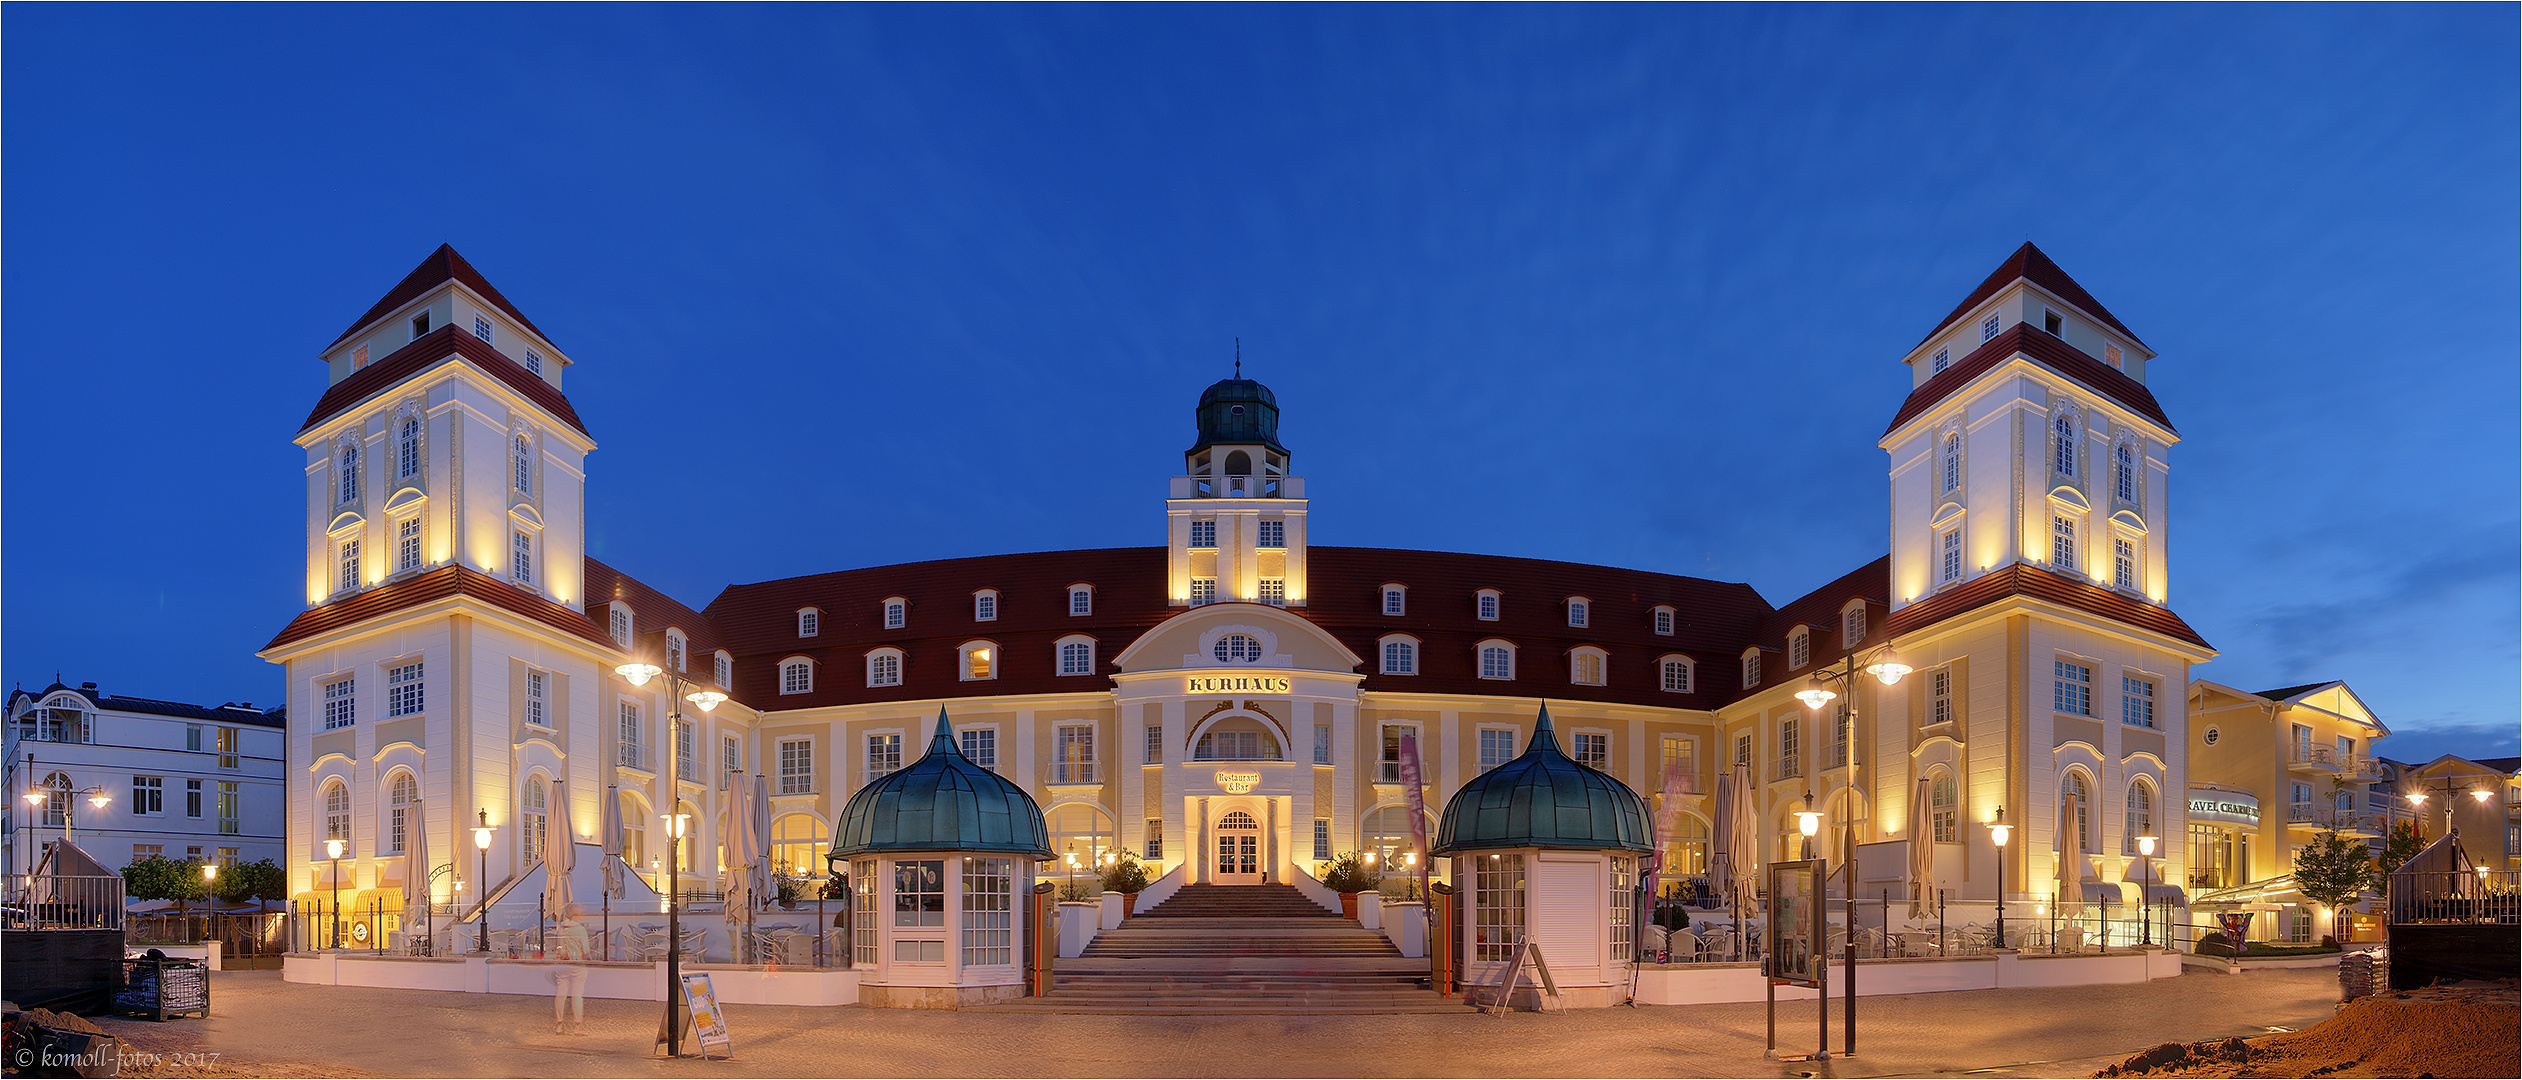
(263, 1026)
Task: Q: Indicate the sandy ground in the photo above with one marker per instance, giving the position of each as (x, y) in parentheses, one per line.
(2470, 1029)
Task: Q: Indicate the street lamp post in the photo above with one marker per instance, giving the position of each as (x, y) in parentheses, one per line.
(333, 851)
(1998, 832)
(1886, 669)
(637, 673)
(2449, 789)
(209, 878)
(481, 843)
(2145, 911)
(1808, 822)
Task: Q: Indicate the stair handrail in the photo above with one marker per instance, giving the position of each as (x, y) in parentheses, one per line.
(1163, 888)
(1314, 890)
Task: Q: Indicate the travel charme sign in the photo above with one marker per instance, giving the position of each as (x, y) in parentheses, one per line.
(1224, 684)
(2235, 807)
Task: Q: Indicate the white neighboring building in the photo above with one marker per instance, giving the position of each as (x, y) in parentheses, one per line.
(186, 781)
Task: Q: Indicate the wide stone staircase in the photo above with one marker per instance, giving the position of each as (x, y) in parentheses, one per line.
(1240, 949)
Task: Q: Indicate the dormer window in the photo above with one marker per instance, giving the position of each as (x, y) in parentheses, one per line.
(621, 626)
(1579, 611)
(985, 606)
(895, 609)
(809, 622)
(980, 661)
(534, 363)
(1396, 599)
(1852, 625)
(420, 325)
(1664, 620)
(1400, 655)
(1987, 329)
(481, 328)
(359, 356)
(1799, 648)
(2050, 322)
(1751, 668)
(2110, 355)
(1487, 604)
(1943, 359)
(1585, 665)
(1081, 599)
(675, 651)
(723, 670)
(1204, 533)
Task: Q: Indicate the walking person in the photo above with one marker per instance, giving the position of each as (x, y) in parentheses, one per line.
(569, 990)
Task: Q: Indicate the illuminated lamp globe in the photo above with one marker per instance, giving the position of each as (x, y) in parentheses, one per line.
(210, 871)
(706, 699)
(1808, 822)
(1815, 696)
(638, 673)
(333, 848)
(35, 796)
(2481, 795)
(1889, 669)
(101, 797)
(2145, 846)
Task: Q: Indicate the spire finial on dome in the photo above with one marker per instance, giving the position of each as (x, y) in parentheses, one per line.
(1543, 734)
(1239, 358)
(945, 736)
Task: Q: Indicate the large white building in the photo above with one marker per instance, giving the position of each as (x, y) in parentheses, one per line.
(184, 781)
(1231, 702)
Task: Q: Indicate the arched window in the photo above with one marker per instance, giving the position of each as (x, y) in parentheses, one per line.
(401, 803)
(1082, 828)
(723, 670)
(1952, 462)
(1751, 668)
(2124, 467)
(980, 661)
(1686, 849)
(1497, 660)
(676, 651)
(1077, 656)
(337, 812)
(796, 677)
(2140, 814)
(896, 612)
(797, 847)
(1386, 832)
(884, 667)
(536, 821)
(985, 606)
(407, 449)
(1676, 674)
(1487, 601)
(2074, 815)
(349, 476)
(2064, 457)
(57, 800)
(1585, 666)
(1943, 809)
(1237, 739)
(1401, 655)
(809, 622)
(525, 466)
(1396, 600)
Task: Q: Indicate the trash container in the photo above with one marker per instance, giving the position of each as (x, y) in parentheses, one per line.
(159, 988)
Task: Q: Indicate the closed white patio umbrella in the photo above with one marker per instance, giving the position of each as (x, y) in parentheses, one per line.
(416, 868)
(560, 855)
(1921, 854)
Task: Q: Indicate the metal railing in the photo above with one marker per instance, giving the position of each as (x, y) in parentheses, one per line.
(1885, 929)
(2456, 896)
(65, 902)
(1073, 772)
(1236, 486)
(2330, 817)
(2332, 759)
(1786, 768)
(634, 756)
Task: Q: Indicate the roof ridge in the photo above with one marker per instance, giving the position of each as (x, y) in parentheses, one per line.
(2030, 263)
(436, 268)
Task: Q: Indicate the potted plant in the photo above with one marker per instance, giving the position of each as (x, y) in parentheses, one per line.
(1349, 875)
(1126, 876)
(791, 890)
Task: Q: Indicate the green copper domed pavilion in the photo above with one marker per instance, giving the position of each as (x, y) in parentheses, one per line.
(942, 802)
(1543, 799)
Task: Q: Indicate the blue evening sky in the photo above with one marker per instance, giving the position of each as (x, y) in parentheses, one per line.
(1627, 285)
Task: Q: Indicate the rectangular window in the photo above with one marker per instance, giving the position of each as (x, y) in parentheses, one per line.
(883, 669)
(1497, 906)
(2049, 321)
(341, 704)
(1496, 662)
(809, 623)
(1390, 772)
(1203, 591)
(1987, 328)
(1394, 599)
(1579, 613)
(1593, 749)
(797, 677)
(919, 896)
(1587, 669)
(1790, 748)
(227, 747)
(536, 684)
(2123, 568)
(1663, 620)
(192, 737)
(884, 755)
(192, 798)
(1399, 658)
(1751, 670)
(1799, 650)
(1497, 747)
(481, 328)
(2136, 701)
(1488, 606)
(359, 356)
(864, 929)
(1742, 749)
(533, 363)
(1322, 840)
(1854, 631)
(631, 735)
(989, 912)
(148, 795)
(724, 671)
(985, 608)
(144, 851)
(1679, 754)
(1075, 761)
(1155, 745)
(2062, 542)
(1274, 591)
(980, 746)
(675, 653)
(687, 756)
(1204, 533)
(227, 857)
(1322, 744)
(349, 566)
(1081, 601)
(1155, 848)
(402, 690)
(796, 766)
(420, 324)
(1952, 568)
(621, 620)
(730, 754)
(1940, 696)
(1839, 742)
(1273, 534)
(2072, 690)
(231, 816)
(893, 615)
(1943, 359)
(521, 563)
(2110, 355)
(407, 544)
(1623, 908)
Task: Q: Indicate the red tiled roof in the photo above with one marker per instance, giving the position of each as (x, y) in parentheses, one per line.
(2043, 349)
(441, 265)
(2028, 263)
(428, 352)
(2041, 583)
(1713, 619)
(652, 612)
(440, 584)
(1820, 609)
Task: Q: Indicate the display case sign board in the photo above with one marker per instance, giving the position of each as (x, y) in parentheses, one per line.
(709, 1024)
(1795, 921)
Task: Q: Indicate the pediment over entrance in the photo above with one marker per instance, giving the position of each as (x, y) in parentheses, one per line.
(1237, 635)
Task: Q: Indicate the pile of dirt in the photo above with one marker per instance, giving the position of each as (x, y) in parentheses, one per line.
(2470, 1029)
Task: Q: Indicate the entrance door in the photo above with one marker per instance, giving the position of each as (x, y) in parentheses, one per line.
(1238, 849)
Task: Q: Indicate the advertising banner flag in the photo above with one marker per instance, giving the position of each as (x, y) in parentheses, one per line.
(1417, 802)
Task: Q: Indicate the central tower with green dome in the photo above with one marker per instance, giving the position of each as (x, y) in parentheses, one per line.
(1235, 519)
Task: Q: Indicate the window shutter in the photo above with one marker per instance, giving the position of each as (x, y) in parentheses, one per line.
(1570, 921)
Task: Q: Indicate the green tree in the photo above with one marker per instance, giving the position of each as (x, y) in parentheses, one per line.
(160, 878)
(2404, 844)
(2332, 871)
(262, 879)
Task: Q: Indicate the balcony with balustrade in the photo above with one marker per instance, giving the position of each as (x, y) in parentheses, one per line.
(2330, 761)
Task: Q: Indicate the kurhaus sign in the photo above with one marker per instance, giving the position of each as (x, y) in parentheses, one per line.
(2228, 806)
(1215, 684)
